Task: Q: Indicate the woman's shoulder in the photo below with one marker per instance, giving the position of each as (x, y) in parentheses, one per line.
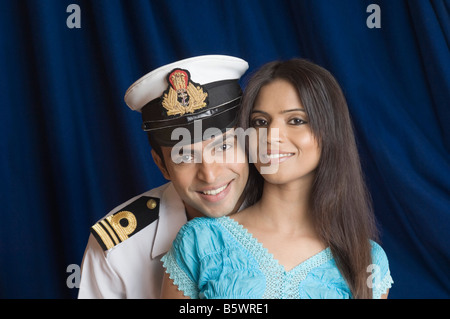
(198, 225)
(381, 279)
(378, 254)
(203, 234)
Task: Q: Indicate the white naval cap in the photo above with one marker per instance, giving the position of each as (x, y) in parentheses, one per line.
(203, 88)
(204, 69)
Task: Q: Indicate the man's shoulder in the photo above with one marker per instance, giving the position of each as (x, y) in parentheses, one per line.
(129, 218)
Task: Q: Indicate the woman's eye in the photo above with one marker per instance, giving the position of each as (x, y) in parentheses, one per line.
(259, 122)
(297, 121)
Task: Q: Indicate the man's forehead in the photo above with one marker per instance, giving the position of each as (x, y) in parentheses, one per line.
(215, 139)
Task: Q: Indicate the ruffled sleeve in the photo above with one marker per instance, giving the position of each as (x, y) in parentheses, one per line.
(187, 261)
(181, 261)
(380, 277)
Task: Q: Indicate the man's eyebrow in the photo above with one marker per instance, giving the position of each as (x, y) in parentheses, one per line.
(224, 138)
(186, 150)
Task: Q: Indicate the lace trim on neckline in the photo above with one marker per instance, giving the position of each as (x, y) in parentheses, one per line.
(279, 281)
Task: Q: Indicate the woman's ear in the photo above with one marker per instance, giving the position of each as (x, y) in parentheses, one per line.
(161, 165)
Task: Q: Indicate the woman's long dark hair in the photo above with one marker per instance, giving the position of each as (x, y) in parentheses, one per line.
(340, 204)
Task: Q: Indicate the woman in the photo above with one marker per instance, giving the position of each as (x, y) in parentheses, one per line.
(308, 234)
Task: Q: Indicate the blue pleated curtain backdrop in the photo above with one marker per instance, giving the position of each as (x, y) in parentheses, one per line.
(71, 150)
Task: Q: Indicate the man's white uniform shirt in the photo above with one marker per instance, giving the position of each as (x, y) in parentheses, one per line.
(132, 267)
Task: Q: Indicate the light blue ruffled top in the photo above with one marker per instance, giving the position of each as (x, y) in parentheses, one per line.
(218, 258)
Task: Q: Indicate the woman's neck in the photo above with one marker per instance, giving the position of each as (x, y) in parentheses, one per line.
(284, 207)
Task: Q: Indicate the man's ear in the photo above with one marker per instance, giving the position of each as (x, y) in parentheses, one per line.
(160, 163)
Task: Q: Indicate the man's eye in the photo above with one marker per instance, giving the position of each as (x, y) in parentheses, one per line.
(258, 122)
(187, 158)
(223, 147)
(180, 159)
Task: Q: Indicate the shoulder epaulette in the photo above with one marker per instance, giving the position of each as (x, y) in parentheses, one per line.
(120, 226)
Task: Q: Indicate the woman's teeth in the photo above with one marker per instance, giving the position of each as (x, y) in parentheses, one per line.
(279, 155)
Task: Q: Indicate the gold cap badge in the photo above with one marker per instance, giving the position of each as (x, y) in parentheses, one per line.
(183, 96)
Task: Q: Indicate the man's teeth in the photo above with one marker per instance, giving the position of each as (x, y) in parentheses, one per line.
(279, 155)
(215, 191)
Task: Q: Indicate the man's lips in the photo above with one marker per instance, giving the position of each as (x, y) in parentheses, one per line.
(217, 193)
(214, 191)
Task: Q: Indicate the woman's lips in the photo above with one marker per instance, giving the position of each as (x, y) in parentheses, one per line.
(277, 157)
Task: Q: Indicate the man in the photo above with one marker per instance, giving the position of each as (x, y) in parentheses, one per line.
(186, 99)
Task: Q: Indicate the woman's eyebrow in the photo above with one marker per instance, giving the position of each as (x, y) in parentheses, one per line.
(293, 110)
(258, 111)
(282, 112)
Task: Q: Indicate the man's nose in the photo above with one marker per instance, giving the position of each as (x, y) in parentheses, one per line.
(208, 172)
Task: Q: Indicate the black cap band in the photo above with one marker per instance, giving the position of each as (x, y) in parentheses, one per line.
(222, 121)
(224, 98)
